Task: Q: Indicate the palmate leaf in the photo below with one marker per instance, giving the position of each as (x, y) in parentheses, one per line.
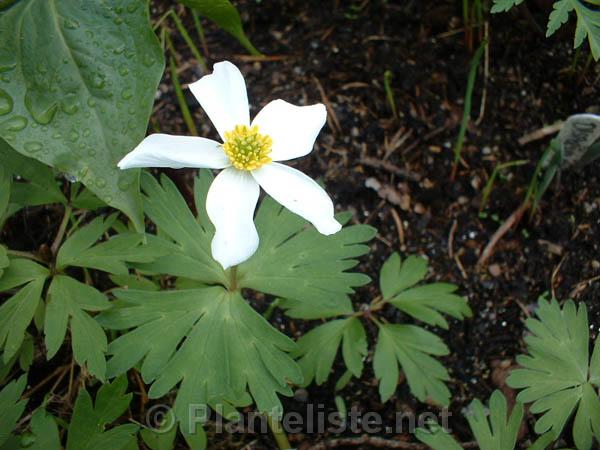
(411, 347)
(80, 83)
(211, 341)
(11, 406)
(87, 430)
(67, 303)
(494, 429)
(304, 267)
(504, 5)
(425, 302)
(557, 375)
(110, 255)
(318, 348)
(293, 260)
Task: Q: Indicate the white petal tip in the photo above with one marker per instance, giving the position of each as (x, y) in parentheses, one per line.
(329, 228)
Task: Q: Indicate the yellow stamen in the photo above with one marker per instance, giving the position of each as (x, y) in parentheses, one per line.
(246, 148)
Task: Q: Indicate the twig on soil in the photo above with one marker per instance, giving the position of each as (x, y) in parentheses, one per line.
(59, 371)
(390, 167)
(579, 287)
(399, 226)
(335, 123)
(540, 133)
(486, 73)
(451, 238)
(555, 275)
(512, 220)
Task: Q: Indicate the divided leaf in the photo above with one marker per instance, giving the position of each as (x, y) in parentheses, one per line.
(87, 430)
(80, 83)
(426, 302)
(588, 22)
(411, 347)
(211, 341)
(308, 270)
(557, 375)
(502, 430)
(44, 434)
(11, 406)
(68, 301)
(504, 5)
(493, 428)
(110, 255)
(318, 348)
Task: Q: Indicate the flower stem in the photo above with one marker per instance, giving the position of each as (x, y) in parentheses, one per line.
(61, 230)
(278, 433)
(233, 279)
(27, 255)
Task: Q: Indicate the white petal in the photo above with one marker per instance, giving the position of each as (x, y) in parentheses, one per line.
(230, 205)
(300, 194)
(293, 129)
(164, 150)
(223, 96)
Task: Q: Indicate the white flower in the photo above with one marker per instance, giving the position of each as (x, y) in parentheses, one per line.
(279, 132)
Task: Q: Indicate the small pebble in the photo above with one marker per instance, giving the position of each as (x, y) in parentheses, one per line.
(495, 270)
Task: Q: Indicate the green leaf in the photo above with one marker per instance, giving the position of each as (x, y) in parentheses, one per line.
(87, 430)
(502, 430)
(11, 406)
(5, 182)
(426, 302)
(21, 271)
(436, 437)
(318, 348)
(164, 437)
(305, 268)
(411, 347)
(16, 314)
(224, 14)
(68, 301)
(504, 5)
(190, 255)
(81, 83)
(4, 261)
(396, 276)
(45, 432)
(588, 22)
(110, 255)
(134, 282)
(556, 375)
(37, 185)
(211, 341)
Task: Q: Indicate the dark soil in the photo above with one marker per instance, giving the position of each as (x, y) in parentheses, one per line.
(337, 52)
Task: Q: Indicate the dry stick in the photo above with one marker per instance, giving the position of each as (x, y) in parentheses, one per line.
(335, 122)
(451, 238)
(512, 220)
(540, 133)
(390, 167)
(486, 73)
(62, 370)
(398, 223)
(373, 441)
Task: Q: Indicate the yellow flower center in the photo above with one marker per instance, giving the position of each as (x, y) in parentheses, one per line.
(246, 148)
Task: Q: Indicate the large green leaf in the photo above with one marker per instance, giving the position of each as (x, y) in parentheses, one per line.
(557, 375)
(79, 83)
(44, 434)
(211, 341)
(67, 303)
(504, 5)
(588, 21)
(87, 430)
(411, 347)
(224, 14)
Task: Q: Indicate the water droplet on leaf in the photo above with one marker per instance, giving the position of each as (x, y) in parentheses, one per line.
(6, 103)
(33, 146)
(15, 123)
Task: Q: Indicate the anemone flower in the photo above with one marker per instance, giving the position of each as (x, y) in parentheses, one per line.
(249, 158)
